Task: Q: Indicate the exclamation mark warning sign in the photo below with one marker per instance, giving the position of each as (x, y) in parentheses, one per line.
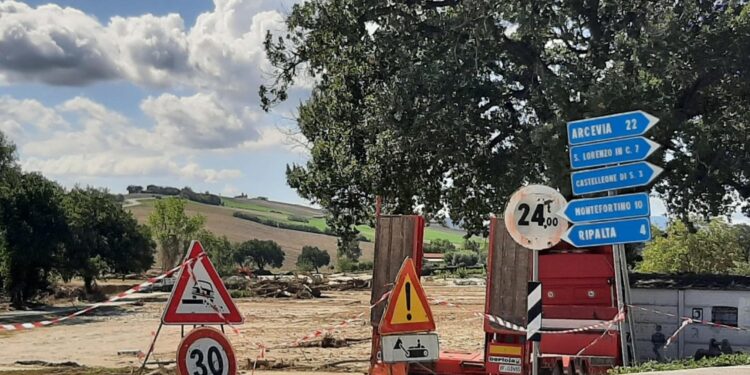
(408, 301)
(407, 310)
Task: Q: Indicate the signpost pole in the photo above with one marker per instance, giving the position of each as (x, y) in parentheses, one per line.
(617, 253)
(535, 349)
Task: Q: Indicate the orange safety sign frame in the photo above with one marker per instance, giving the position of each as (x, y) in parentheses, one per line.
(407, 310)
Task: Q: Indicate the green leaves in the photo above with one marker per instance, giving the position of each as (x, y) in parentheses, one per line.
(173, 229)
(260, 252)
(714, 249)
(313, 258)
(450, 108)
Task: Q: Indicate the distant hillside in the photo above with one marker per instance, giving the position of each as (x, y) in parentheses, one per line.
(220, 220)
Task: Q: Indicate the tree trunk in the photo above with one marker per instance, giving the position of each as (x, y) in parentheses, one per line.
(88, 284)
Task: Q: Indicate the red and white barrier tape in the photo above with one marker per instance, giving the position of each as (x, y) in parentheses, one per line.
(141, 286)
(512, 326)
(682, 326)
(692, 320)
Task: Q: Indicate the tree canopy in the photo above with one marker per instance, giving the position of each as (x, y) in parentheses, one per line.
(261, 252)
(34, 231)
(451, 105)
(313, 257)
(103, 237)
(715, 248)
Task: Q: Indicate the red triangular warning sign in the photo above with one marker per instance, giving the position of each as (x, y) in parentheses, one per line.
(407, 310)
(199, 295)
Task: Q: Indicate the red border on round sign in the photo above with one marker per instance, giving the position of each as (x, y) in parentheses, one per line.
(200, 333)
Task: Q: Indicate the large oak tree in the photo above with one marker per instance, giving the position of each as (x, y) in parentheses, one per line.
(451, 105)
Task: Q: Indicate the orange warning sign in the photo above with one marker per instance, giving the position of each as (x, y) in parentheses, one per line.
(408, 310)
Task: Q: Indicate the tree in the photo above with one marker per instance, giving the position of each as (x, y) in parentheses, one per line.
(134, 189)
(348, 252)
(260, 252)
(452, 105)
(33, 231)
(313, 257)
(462, 258)
(103, 237)
(713, 249)
(173, 229)
(220, 250)
(439, 246)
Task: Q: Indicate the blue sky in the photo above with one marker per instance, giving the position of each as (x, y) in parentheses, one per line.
(113, 93)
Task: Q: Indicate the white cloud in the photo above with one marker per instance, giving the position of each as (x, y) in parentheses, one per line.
(54, 45)
(97, 142)
(152, 50)
(222, 52)
(199, 121)
(195, 172)
(216, 66)
(29, 113)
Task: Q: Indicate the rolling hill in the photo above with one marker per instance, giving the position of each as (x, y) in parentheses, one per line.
(220, 220)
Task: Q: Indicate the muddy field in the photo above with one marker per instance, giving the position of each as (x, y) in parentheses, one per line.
(94, 340)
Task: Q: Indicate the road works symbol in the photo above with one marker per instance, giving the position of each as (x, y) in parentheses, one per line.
(199, 296)
(421, 347)
(408, 310)
(206, 351)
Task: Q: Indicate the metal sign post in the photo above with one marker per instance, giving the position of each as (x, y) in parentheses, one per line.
(532, 219)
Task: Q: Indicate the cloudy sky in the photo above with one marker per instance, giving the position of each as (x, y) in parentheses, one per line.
(113, 93)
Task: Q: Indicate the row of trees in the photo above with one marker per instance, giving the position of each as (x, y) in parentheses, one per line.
(715, 247)
(48, 232)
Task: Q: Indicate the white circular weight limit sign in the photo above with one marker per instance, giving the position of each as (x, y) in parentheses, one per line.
(531, 217)
(206, 351)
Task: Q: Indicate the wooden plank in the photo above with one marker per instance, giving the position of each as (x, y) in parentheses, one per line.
(509, 273)
(394, 241)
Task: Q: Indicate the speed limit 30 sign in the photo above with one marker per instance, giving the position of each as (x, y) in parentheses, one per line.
(206, 351)
(531, 217)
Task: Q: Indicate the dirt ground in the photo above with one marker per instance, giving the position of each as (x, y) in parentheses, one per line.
(94, 340)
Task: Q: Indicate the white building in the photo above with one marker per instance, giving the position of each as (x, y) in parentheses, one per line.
(717, 299)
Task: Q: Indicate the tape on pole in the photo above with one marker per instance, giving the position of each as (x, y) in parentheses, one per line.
(534, 310)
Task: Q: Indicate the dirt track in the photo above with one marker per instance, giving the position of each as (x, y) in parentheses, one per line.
(275, 323)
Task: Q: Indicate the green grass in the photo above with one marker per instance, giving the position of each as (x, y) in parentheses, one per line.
(230, 202)
(720, 361)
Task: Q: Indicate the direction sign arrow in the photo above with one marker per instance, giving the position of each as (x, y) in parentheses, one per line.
(613, 178)
(621, 125)
(611, 152)
(609, 232)
(606, 208)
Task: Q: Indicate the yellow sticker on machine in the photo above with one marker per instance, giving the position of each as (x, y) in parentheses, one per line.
(496, 349)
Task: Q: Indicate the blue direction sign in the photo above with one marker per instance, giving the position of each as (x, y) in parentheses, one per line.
(621, 125)
(606, 208)
(609, 232)
(613, 178)
(611, 152)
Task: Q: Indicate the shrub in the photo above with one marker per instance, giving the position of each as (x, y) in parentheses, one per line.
(345, 264)
(439, 246)
(297, 219)
(365, 265)
(279, 224)
(461, 258)
(722, 360)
